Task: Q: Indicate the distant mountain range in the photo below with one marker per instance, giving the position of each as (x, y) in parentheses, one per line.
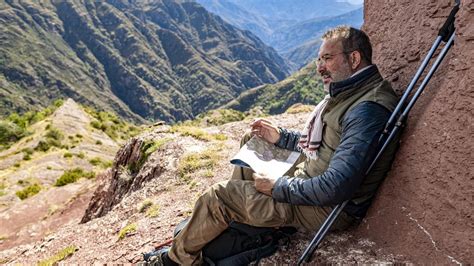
(292, 27)
(157, 60)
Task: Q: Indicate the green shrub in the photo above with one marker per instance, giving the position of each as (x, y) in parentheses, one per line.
(61, 255)
(97, 161)
(79, 136)
(67, 155)
(127, 230)
(28, 191)
(42, 146)
(10, 132)
(54, 134)
(27, 151)
(27, 157)
(81, 155)
(98, 142)
(71, 176)
(53, 139)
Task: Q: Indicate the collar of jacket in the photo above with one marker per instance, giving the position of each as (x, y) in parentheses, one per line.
(336, 88)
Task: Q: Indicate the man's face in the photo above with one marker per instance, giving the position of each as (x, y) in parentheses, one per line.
(333, 64)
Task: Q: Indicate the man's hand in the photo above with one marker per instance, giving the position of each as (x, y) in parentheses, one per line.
(263, 183)
(265, 130)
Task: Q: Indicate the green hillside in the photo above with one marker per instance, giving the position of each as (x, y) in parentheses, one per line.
(305, 86)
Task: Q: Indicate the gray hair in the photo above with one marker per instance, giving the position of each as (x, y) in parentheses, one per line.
(352, 40)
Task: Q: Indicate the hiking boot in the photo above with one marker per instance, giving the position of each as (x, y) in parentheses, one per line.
(158, 258)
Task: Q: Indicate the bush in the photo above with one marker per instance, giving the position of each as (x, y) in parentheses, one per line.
(53, 139)
(42, 146)
(10, 132)
(28, 191)
(67, 155)
(71, 176)
(54, 134)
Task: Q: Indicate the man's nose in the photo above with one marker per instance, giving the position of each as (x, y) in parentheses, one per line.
(320, 67)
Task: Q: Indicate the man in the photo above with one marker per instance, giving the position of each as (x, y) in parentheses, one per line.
(338, 141)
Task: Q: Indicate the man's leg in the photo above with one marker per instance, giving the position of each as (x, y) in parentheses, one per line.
(243, 173)
(233, 200)
(237, 200)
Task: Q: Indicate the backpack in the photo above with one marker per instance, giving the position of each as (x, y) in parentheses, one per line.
(241, 244)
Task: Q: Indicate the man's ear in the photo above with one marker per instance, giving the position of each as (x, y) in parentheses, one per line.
(355, 59)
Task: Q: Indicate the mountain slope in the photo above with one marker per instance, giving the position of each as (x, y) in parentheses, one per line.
(300, 42)
(32, 200)
(304, 86)
(131, 213)
(292, 27)
(163, 60)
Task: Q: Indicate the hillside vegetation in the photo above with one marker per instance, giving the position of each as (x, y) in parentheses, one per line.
(157, 60)
(50, 159)
(303, 87)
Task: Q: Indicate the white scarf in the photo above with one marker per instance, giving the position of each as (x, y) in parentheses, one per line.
(311, 135)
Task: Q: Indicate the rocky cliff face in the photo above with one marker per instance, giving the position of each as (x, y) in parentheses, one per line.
(426, 201)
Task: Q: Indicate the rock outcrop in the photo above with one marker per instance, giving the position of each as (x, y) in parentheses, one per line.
(124, 177)
(426, 201)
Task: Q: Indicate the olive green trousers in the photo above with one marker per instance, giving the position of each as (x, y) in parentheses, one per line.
(238, 200)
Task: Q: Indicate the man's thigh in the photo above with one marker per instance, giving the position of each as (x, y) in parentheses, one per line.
(243, 203)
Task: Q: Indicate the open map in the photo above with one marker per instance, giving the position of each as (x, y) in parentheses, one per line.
(264, 157)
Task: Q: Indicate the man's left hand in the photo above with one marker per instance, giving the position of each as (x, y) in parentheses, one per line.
(264, 183)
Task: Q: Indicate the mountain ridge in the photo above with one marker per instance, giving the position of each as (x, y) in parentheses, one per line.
(161, 60)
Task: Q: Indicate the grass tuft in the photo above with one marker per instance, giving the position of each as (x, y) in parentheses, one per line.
(61, 255)
(196, 133)
(203, 163)
(127, 230)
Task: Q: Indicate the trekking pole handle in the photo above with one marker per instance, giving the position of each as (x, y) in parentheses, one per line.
(448, 28)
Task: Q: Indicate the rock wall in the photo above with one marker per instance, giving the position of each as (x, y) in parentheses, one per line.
(425, 207)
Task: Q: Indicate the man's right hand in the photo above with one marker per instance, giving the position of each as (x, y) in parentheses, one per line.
(265, 130)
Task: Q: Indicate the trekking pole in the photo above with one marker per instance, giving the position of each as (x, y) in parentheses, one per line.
(446, 33)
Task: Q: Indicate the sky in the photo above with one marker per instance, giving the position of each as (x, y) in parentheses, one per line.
(355, 2)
